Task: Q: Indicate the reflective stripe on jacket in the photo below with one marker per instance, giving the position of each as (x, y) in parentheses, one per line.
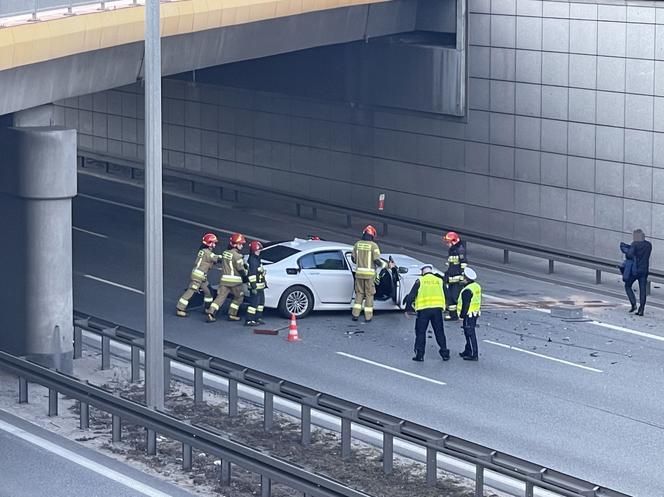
(366, 256)
(205, 259)
(475, 301)
(430, 293)
(232, 268)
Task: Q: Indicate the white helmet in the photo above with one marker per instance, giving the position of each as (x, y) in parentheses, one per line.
(470, 273)
(427, 268)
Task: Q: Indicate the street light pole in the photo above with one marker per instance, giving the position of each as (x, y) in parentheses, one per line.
(154, 266)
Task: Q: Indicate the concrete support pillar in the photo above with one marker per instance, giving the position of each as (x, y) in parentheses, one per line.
(37, 183)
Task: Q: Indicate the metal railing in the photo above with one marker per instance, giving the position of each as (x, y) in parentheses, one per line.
(597, 264)
(270, 469)
(11, 8)
(391, 428)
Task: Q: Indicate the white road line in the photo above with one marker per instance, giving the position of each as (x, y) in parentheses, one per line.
(413, 375)
(627, 330)
(89, 232)
(166, 216)
(543, 356)
(81, 461)
(101, 280)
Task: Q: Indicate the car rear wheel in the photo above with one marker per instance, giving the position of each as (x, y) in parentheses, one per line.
(296, 300)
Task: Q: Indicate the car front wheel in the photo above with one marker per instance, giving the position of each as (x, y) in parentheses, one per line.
(296, 300)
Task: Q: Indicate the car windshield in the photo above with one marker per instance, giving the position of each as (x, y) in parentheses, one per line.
(277, 253)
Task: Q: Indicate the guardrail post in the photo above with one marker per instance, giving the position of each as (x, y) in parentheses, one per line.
(167, 375)
(225, 473)
(116, 428)
(105, 352)
(345, 438)
(78, 342)
(151, 442)
(236, 196)
(598, 277)
(232, 397)
(135, 364)
(198, 385)
(479, 481)
(384, 229)
(266, 486)
(314, 212)
(423, 240)
(530, 489)
(551, 266)
(52, 402)
(388, 453)
(268, 411)
(349, 222)
(305, 422)
(432, 466)
(70, 8)
(186, 457)
(297, 209)
(506, 256)
(648, 287)
(22, 390)
(84, 418)
(34, 11)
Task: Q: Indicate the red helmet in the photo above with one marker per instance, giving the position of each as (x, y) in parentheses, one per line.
(210, 239)
(370, 230)
(452, 237)
(255, 246)
(237, 239)
(314, 237)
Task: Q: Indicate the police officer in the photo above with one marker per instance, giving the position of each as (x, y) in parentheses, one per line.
(366, 257)
(257, 285)
(469, 304)
(456, 263)
(427, 297)
(233, 275)
(205, 259)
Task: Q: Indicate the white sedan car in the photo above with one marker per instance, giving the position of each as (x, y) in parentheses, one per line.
(306, 275)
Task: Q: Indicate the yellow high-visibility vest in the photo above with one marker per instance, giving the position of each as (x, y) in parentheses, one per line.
(430, 294)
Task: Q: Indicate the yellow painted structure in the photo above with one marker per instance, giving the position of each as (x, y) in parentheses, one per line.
(34, 42)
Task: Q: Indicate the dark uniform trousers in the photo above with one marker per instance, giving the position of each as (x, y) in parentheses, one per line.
(435, 317)
(256, 304)
(469, 323)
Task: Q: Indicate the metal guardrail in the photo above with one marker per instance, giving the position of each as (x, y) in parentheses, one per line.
(269, 468)
(11, 8)
(598, 264)
(433, 441)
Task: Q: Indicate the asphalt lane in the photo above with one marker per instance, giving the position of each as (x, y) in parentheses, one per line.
(34, 461)
(603, 423)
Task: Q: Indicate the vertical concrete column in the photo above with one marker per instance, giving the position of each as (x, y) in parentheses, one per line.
(37, 183)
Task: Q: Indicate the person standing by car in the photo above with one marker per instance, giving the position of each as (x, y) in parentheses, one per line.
(427, 297)
(205, 259)
(366, 257)
(233, 274)
(456, 263)
(639, 253)
(257, 285)
(469, 305)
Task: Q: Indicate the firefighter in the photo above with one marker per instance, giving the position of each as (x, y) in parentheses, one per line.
(456, 263)
(427, 297)
(469, 305)
(366, 257)
(205, 259)
(257, 285)
(233, 275)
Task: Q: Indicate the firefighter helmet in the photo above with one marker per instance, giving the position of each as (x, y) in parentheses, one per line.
(237, 239)
(255, 246)
(370, 230)
(452, 237)
(210, 240)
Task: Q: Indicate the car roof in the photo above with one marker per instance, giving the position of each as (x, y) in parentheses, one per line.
(306, 245)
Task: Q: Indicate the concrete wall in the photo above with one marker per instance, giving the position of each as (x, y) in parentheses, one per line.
(563, 144)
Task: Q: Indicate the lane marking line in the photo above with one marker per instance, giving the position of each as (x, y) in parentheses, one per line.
(81, 460)
(510, 347)
(166, 216)
(75, 228)
(627, 330)
(390, 368)
(101, 280)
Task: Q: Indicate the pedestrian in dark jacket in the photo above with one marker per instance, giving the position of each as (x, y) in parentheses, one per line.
(639, 254)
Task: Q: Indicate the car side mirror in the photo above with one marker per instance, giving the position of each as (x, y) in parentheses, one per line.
(403, 270)
(292, 270)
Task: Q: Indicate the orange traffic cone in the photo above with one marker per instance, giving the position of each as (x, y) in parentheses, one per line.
(292, 330)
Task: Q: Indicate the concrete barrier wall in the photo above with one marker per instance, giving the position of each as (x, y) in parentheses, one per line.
(563, 143)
